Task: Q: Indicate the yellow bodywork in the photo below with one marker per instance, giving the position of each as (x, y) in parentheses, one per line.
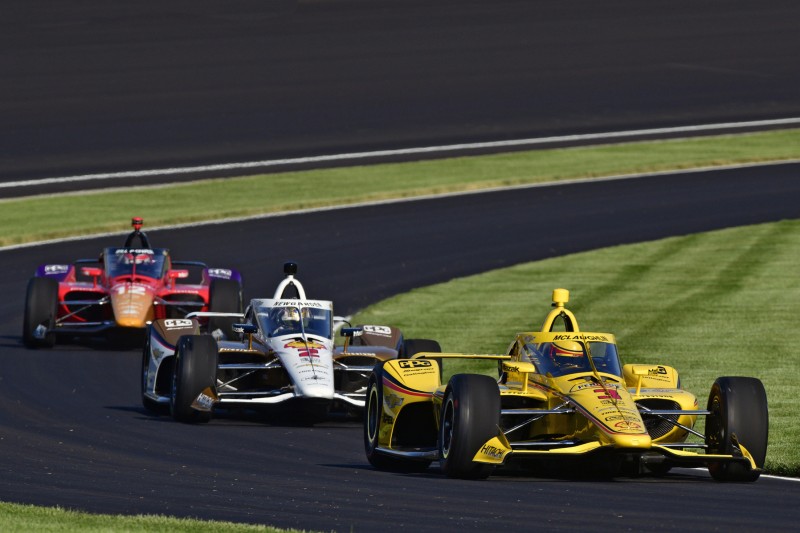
(597, 408)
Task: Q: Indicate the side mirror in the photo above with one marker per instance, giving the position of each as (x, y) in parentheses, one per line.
(247, 329)
(351, 332)
(92, 272)
(177, 274)
(172, 275)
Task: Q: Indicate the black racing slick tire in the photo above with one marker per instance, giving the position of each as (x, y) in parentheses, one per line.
(739, 415)
(470, 417)
(224, 296)
(373, 420)
(415, 346)
(195, 370)
(41, 309)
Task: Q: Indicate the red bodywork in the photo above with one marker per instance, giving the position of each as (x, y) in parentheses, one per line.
(129, 288)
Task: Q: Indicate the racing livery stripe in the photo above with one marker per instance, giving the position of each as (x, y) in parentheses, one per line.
(392, 383)
(596, 421)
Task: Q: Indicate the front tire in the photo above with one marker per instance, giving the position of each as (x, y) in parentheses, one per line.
(224, 296)
(41, 310)
(372, 426)
(739, 413)
(195, 370)
(470, 417)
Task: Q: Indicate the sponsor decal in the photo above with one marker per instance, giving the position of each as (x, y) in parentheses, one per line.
(629, 425)
(205, 400)
(137, 251)
(625, 418)
(491, 451)
(581, 386)
(611, 394)
(177, 323)
(393, 401)
(656, 371)
(606, 402)
(377, 330)
(414, 363)
(579, 337)
(608, 410)
(220, 273)
(310, 349)
(55, 269)
(295, 303)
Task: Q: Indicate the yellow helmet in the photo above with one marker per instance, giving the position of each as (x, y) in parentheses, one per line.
(565, 353)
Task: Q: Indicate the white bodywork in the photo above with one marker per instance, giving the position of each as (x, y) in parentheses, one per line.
(285, 354)
(305, 354)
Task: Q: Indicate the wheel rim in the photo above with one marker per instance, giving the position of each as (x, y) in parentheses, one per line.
(715, 437)
(174, 382)
(447, 428)
(145, 366)
(372, 416)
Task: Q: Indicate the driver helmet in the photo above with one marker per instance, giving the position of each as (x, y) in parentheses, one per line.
(290, 318)
(566, 352)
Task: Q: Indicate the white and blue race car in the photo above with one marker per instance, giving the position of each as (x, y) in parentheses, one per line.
(284, 362)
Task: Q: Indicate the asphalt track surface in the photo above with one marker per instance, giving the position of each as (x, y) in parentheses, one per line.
(74, 433)
(92, 86)
(89, 88)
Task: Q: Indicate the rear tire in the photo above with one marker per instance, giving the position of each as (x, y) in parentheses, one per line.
(739, 412)
(224, 296)
(41, 309)
(470, 417)
(372, 425)
(415, 346)
(195, 370)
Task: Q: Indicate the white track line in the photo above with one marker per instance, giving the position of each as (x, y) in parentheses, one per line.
(406, 151)
(278, 214)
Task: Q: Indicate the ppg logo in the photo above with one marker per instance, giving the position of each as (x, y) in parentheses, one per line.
(414, 363)
(178, 323)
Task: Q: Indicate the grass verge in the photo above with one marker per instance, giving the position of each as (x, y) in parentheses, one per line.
(52, 217)
(723, 303)
(16, 517)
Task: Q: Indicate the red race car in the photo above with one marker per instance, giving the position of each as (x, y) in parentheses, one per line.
(124, 290)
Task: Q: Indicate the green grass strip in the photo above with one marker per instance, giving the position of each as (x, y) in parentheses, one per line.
(15, 517)
(715, 304)
(52, 217)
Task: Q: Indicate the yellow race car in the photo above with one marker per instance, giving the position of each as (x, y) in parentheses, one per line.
(562, 397)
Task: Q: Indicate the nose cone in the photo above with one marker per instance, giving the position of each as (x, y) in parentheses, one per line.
(322, 390)
(132, 304)
(637, 441)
